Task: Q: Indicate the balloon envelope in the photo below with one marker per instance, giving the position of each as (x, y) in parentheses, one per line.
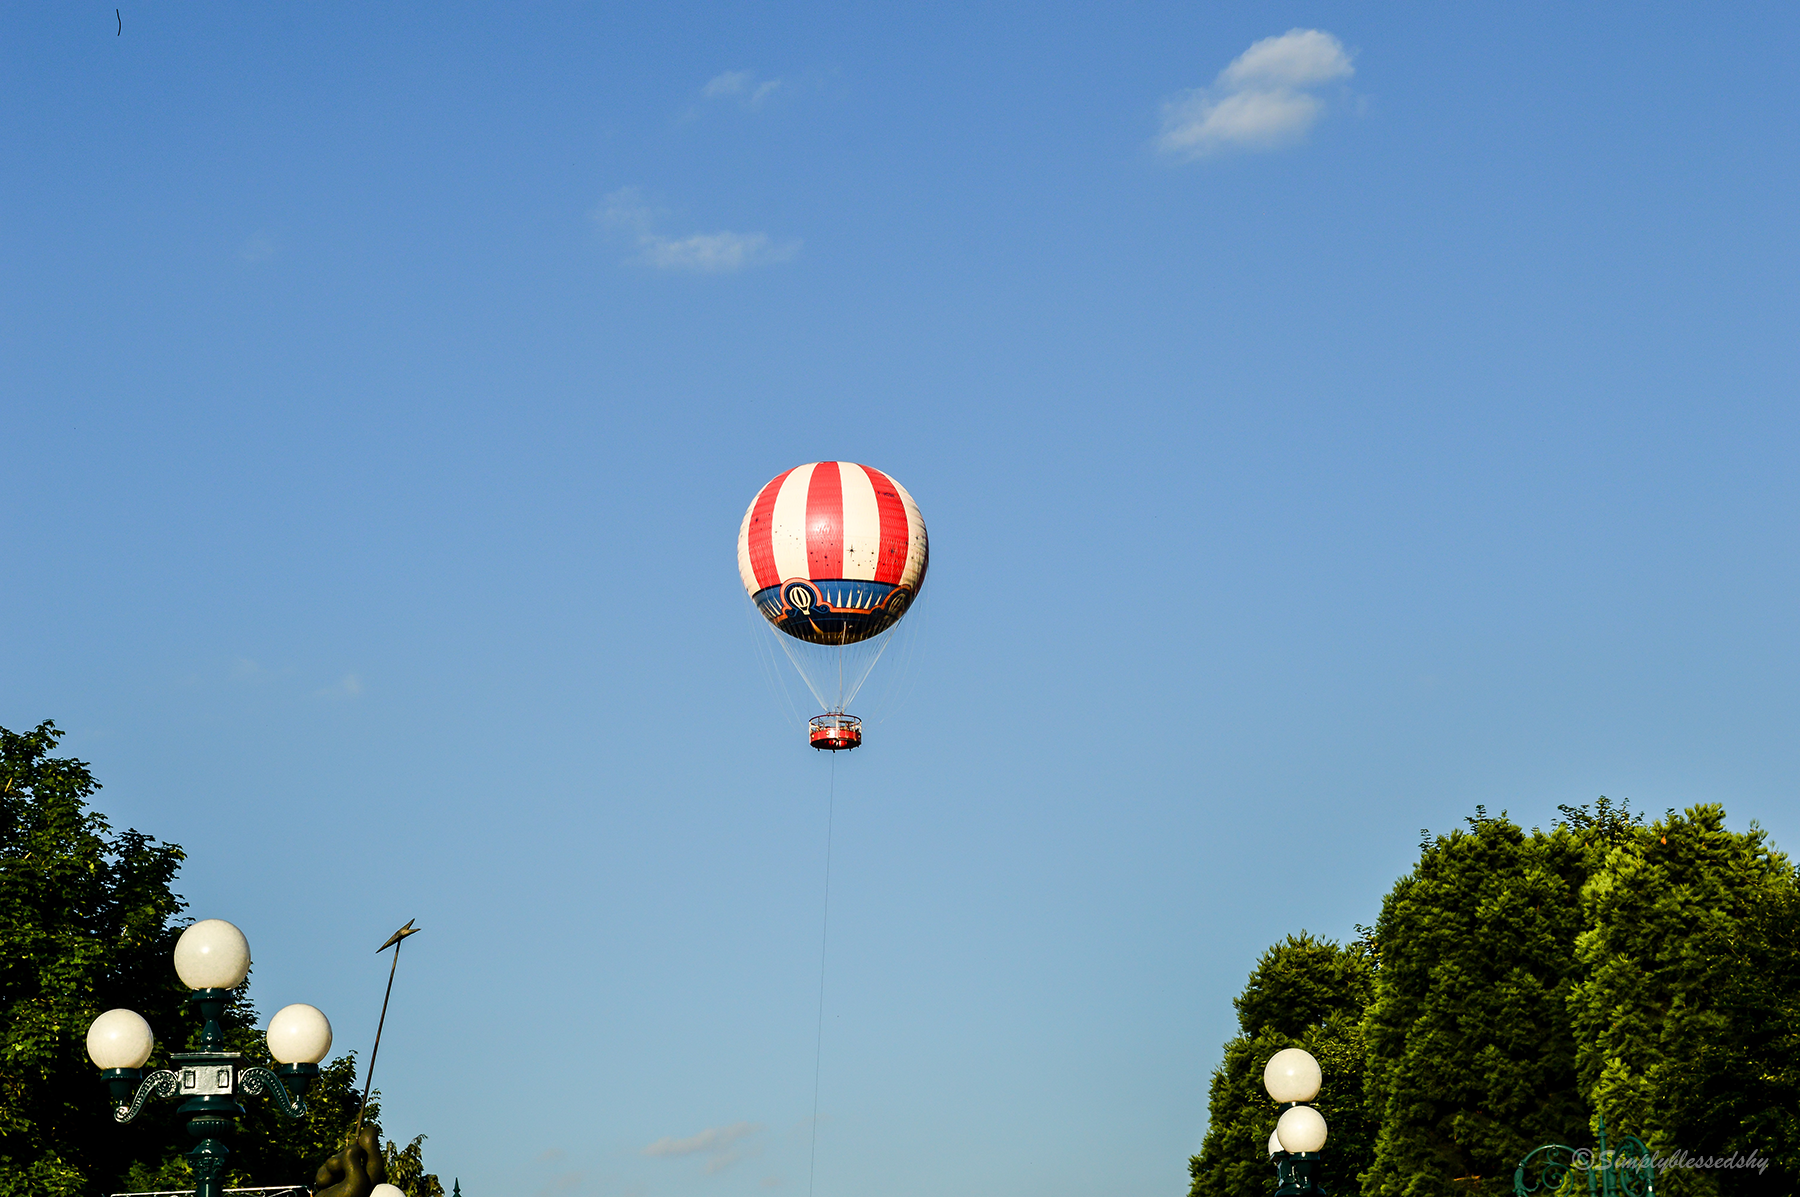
(833, 554)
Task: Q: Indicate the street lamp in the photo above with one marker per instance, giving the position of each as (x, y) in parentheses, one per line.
(212, 957)
(1628, 1170)
(1292, 1078)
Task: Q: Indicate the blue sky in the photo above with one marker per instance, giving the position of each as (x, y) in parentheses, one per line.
(1318, 438)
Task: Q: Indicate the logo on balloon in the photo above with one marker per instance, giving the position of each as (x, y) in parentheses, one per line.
(801, 597)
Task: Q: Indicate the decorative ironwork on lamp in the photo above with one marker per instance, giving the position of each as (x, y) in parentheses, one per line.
(1628, 1170)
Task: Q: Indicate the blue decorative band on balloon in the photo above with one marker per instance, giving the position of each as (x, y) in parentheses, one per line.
(835, 611)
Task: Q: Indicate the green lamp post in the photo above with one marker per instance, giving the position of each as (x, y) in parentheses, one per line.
(1628, 1170)
(1292, 1079)
(212, 958)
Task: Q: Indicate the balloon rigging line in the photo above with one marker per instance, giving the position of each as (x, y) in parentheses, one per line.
(824, 927)
(770, 665)
(890, 698)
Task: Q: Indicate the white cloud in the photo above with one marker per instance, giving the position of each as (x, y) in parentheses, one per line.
(711, 1140)
(731, 83)
(1298, 58)
(1261, 100)
(1253, 119)
(711, 253)
(740, 86)
(349, 686)
(626, 210)
(721, 1146)
(699, 253)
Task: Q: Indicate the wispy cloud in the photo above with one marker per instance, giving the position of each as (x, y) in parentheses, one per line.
(1263, 100)
(731, 83)
(346, 687)
(721, 1146)
(715, 252)
(741, 86)
(258, 247)
(625, 212)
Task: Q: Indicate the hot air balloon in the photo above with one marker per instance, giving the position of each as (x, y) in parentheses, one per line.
(833, 553)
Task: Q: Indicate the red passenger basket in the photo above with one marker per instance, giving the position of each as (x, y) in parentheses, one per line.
(835, 733)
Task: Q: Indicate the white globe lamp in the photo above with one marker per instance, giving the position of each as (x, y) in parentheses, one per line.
(120, 1039)
(119, 1042)
(1292, 1075)
(1274, 1144)
(212, 954)
(1301, 1129)
(387, 1191)
(299, 1034)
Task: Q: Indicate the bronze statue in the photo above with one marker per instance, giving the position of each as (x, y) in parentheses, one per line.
(354, 1171)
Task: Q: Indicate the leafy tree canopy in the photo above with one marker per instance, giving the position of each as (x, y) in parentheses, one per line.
(1471, 1056)
(1685, 1018)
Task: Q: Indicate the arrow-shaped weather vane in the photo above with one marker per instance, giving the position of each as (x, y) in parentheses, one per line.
(393, 941)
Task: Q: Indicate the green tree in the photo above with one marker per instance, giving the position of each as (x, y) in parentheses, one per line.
(1686, 1035)
(1471, 1054)
(1516, 986)
(85, 925)
(406, 1169)
(88, 923)
(1304, 992)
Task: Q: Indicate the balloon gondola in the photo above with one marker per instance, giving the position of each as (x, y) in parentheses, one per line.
(833, 554)
(834, 733)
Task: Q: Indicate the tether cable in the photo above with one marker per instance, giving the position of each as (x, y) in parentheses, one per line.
(824, 927)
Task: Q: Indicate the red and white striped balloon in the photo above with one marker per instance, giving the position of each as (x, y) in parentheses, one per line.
(833, 524)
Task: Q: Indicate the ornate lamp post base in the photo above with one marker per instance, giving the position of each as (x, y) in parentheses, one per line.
(1294, 1175)
(208, 1160)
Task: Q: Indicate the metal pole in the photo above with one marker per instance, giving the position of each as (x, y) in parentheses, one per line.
(394, 942)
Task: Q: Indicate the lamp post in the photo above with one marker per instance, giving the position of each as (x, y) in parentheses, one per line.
(212, 958)
(1628, 1170)
(1292, 1078)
